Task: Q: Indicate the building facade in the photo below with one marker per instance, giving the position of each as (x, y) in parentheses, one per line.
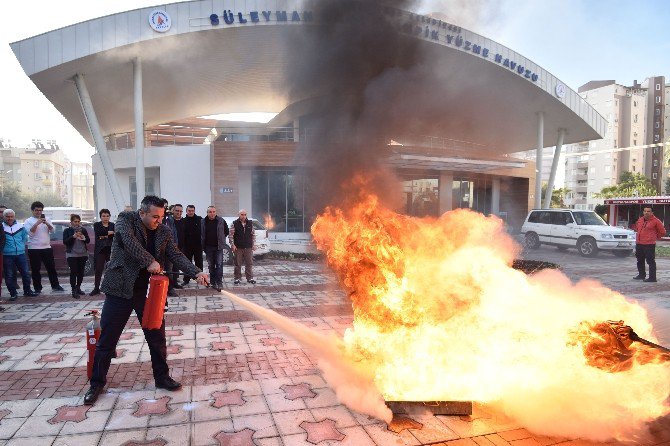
(633, 142)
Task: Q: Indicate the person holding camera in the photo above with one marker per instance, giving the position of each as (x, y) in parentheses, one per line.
(75, 239)
(40, 251)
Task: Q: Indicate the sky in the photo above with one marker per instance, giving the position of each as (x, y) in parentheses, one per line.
(576, 40)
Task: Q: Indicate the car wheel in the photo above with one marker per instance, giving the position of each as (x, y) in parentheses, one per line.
(227, 256)
(532, 240)
(562, 248)
(622, 252)
(587, 247)
(90, 266)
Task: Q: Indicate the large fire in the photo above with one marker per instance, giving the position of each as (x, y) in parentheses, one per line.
(439, 314)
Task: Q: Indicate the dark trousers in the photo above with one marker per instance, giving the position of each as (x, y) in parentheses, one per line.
(244, 256)
(77, 266)
(1, 273)
(115, 314)
(101, 259)
(10, 265)
(215, 264)
(37, 257)
(648, 253)
(193, 255)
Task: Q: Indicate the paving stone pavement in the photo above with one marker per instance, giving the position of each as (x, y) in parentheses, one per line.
(245, 383)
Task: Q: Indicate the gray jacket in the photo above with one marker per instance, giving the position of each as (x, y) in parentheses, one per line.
(221, 232)
(129, 256)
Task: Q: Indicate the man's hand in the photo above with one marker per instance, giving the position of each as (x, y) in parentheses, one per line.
(154, 268)
(202, 279)
(233, 248)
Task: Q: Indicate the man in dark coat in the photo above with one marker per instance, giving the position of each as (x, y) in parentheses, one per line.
(192, 238)
(141, 247)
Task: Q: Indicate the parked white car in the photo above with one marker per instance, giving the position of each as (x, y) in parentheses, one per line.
(262, 240)
(571, 228)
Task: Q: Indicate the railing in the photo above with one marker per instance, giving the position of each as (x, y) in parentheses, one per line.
(184, 135)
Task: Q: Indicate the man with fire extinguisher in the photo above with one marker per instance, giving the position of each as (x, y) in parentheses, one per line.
(141, 247)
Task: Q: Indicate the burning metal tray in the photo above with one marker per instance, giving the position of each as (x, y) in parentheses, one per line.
(435, 407)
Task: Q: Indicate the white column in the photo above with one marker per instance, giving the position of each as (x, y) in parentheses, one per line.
(495, 196)
(139, 129)
(445, 191)
(538, 160)
(554, 167)
(94, 128)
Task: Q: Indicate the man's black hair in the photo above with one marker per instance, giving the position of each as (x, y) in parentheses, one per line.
(104, 211)
(151, 200)
(177, 204)
(190, 206)
(36, 204)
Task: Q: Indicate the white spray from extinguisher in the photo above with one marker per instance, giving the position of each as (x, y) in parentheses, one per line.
(352, 383)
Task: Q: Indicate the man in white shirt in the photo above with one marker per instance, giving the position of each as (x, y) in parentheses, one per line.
(39, 247)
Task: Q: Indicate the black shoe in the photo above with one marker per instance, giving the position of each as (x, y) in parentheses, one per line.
(57, 288)
(75, 295)
(217, 288)
(638, 277)
(172, 293)
(185, 282)
(167, 383)
(92, 395)
(81, 293)
(649, 280)
(178, 287)
(30, 294)
(251, 281)
(95, 292)
(13, 297)
(37, 292)
(237, 281)
(2, 309)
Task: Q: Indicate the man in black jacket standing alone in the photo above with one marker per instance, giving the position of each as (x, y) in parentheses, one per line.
(141, 247)
(243, 242)
(192, 238)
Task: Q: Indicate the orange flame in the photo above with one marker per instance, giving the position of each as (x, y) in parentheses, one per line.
(439, 314)
(268, 222)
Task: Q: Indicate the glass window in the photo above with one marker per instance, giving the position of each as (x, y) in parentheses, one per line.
(278, 196)
(561, 218)
(148, 188)
(588, 218)
(420, 197)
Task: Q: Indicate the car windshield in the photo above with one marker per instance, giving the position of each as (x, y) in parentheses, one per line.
(588, 218)
(258, 226)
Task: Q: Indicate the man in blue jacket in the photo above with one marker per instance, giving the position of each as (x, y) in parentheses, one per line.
(14, 255)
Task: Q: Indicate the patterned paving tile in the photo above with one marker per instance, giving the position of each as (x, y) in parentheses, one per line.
(241, 438)
(232, 398)
(321, 431)
(152, 407)
(70, 413)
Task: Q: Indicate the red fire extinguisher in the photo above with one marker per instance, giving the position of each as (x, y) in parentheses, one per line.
(154, 306)
(92, 336)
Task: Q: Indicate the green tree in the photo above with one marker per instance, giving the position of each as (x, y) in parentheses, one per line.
(557, 196)
(630, 185)
(14, 198)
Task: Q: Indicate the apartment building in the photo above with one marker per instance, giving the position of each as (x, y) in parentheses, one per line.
(82, 185)
(637, 123)
(45, 168)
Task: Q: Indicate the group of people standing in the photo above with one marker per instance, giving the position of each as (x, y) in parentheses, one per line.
(30, 243)
(194, 234)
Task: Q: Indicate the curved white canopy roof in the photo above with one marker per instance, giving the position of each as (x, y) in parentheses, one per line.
(201, 68)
